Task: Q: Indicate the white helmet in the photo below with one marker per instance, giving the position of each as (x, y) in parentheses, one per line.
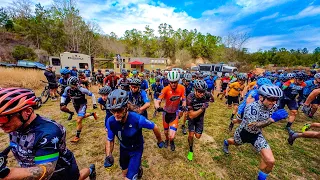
(173, 76)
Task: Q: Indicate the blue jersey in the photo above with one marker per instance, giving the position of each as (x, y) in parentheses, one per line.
(210, 83)
(156, 90)
(139, 98)
(189, 88)
(278, 83)
(87, 72)
(103, 103)
(78, 95)
(42, 141)
(129, 133)
(144, 84)
(74, 73)
(310, 86)
(252, 93)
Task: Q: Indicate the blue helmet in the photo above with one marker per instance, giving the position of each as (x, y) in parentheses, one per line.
(263, 81)
(64, 71)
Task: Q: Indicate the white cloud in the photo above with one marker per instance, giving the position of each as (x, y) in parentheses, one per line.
(264, 42)
(188, 3)
(272, 16)
(307, 12)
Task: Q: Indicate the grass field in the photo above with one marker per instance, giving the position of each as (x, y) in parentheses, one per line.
(300, 161)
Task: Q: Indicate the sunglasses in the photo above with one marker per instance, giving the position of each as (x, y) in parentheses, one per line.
(201, 91)
(6, 118)
(174, 82)
(134, 87)
(272, 99)
(120, 110)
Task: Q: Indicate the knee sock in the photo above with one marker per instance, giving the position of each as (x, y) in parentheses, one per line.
(78, 133)
(289, 124)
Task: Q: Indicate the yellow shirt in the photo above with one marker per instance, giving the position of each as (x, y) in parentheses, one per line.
(251, 85)
(235, 89)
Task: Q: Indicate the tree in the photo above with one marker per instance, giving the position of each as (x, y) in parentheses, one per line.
(23, 52)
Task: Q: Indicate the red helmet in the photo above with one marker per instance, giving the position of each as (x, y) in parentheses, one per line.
(13, 100)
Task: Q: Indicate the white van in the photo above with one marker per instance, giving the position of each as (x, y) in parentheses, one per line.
(71, 59)
(219, 68)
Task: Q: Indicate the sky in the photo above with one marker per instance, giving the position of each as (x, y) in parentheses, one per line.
(291, 24)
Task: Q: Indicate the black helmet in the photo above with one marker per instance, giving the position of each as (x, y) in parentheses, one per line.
(312, 71)
(105, 90)
(80, 71)
(117, 99)
(72, 81)
(99, 70)
(200, 85)
(299, 75)
(135, 81)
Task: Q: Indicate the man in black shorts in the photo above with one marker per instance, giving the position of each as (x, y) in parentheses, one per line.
(197, 103)
(53, 85)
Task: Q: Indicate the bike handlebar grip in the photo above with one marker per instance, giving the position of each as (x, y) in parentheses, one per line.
(6, 150)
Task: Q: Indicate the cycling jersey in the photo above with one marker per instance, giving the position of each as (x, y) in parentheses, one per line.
(74, 73)
(310, 86)
(87, 72)
(129, 134)
(172, 97)
(251, 85)
(63, 84)
(42, 141)
(235, 89)
(100, 77)
(124, 83)
(165, 82)
(291, 90)
(189, 88)
(78, 95)
(152, 81)
(111, 81)
(253, 94)
(279, 84)
(139, 99)
(144, 85)
(210, 82)
(254, 112)
(156, 90)
(108, 113)
(225, 81)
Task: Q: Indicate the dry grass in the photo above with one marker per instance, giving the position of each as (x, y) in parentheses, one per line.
(18, 77)
(300, 161)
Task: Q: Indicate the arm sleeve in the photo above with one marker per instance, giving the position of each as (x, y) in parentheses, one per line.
(145, 123)
(87, 92)
(189, 101)
(64, 95)
(110, 133)
(144, 97)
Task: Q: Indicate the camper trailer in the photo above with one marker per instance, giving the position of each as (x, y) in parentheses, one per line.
(219, 68)
(71, 59)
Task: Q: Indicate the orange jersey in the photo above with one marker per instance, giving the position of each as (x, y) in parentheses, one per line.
(173, 97)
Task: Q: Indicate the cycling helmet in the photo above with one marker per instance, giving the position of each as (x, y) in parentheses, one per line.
(135, 81)
(173, 76)
(74, 67)
(290, 75)
(134, 72)
(67, 67)
(263, 81)
(317, 76)
(270, 91)
(281, 77)
(117, 99)
(141, 74)
(124, 73)
(158, 79)
(13, 100)
(241, 77)
(188, 76)
(80, 71)
(313, 71)
(200, 85)
(107, 73)
(105, 90)
(299, 75)
(200, 76)
(72, 81)
(99, 70)
(64, 71)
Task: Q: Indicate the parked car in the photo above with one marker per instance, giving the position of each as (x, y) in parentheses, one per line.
(30, 64)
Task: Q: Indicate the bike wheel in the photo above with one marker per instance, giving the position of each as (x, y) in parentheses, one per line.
(45, 95)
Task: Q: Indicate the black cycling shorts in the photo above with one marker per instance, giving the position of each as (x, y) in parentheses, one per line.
(196, 125)
(233, 100)
(67, 173)
(53, 85)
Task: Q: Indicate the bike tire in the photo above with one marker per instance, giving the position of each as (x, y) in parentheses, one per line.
(45, 96)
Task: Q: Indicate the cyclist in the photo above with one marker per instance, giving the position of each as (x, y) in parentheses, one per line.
(224, 81)
(127, 126)
(99, 78)
(104, 92)
(156, 88)
(37, 143)
(164, 80)
(138, 99)
(189, 88)
(74, 71)
(144, 83)
(197, 102)
(111, 80)
(250, 97)
(291, 89)
(256, 117)
(78, 97)
(211, 82)
(172, 94)
(83, 79)
(53, 85)
(87, 72)
(234, 90)
(151, 81)
(124, 82)
(65, 73)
